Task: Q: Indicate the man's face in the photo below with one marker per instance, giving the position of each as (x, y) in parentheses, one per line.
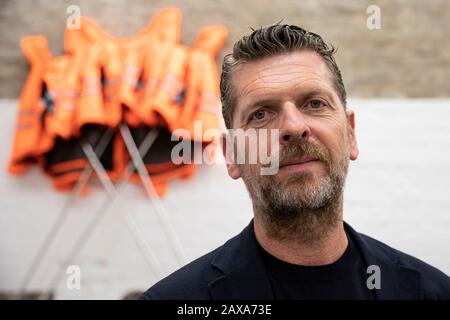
(294, 93)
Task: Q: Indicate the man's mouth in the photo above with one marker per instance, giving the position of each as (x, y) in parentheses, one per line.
(299, 163)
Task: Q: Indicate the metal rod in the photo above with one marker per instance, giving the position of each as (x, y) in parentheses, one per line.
(125, 214)
(87, 232)
(149, 188)
(61, 217)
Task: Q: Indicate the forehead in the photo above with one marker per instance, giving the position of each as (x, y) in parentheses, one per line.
(279, 76)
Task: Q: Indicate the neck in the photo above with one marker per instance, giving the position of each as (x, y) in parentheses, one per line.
(324, 242)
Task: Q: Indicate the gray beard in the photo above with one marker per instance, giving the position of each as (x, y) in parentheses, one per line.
(305, 210)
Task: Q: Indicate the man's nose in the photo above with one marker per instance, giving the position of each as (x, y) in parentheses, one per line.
(293, 124)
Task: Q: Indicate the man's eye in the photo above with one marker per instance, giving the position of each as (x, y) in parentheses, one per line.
(258, 115)
(316, 104)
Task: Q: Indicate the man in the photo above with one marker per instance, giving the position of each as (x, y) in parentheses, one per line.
(297, 246)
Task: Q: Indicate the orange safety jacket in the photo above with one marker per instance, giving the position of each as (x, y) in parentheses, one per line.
(203, 95)
(124, 69)
(168, 98)
(34, 140)
(165, 27)
(105, 60)
(101, 90)
(58, 118)
(31, 139)
(142, 57)
(188, 91)
(75, 83)
(163, 55)
(119, 66)
(97, 104)
(45, 92)
(90, 109)
(160, 82)
(122, 63)
(167, 32)
(79, 109)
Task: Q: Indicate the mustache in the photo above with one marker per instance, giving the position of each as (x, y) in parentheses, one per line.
(301, 147)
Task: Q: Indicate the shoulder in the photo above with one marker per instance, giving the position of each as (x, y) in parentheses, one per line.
(189, 282)
(435, 284)
(194, 279)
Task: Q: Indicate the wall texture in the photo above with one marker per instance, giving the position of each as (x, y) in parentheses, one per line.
(397, 192)
(408, 57)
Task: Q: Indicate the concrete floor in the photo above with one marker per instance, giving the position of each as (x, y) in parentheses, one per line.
(397, 191)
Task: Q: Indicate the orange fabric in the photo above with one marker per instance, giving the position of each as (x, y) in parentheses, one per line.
(147, 80)
(142, 55)
(95, 56)
(67, 166)
(154, 65)
(90, 37)
(211, 39)
(58, 122)
(132, 58)
(90, 109)
(119, 159)
(123, 63)
(165, 35)
(203, 95)
(66, 182)
(189, 72)
(30, 138)
(168, 99)
(112, 73)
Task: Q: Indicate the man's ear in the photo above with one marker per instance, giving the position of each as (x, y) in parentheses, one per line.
(232, 167)
(351, 131)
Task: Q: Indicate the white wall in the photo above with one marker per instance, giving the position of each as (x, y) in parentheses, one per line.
(397, 191)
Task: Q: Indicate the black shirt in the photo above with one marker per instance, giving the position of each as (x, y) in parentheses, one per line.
(344, 279)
